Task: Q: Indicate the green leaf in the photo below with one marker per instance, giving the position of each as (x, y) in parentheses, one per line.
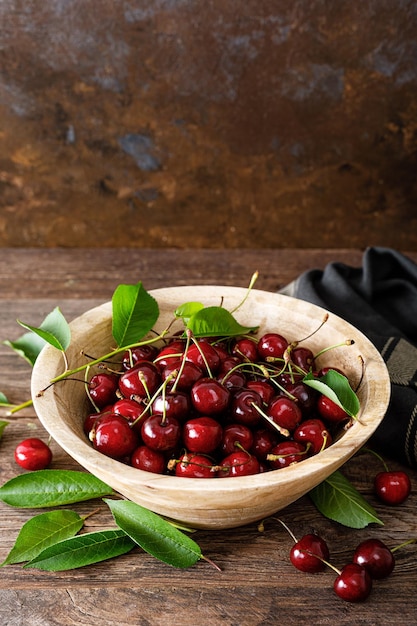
(135, 312)
(42, 531)
(54, 330)
(336, 387)
(337, 499)
(3, 425)
(154, 534)
(3, 400)
(27, 346)
(187, 310)
(82, 550)
(47, 488)
(214, 321)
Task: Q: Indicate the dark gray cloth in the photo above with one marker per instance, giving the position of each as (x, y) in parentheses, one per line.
(380, 299)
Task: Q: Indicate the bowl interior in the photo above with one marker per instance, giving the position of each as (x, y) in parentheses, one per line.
(226, 502)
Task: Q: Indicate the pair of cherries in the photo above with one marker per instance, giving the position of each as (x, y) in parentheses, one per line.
(372, 560)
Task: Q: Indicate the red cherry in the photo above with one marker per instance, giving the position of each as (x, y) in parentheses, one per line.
(173, 403)
(246, 349)
(236, 436)
(244, 407)
(160, 432)
(285, 413)
(132, 356)
(375, 557)
(392, 487)
(263, 388)
(330, 411)
(303, 358)
(264, 440)
(195, 466)
(272, 345)
(33, 454)
(309, 553)
(205, 356)
(202, 434)
(209, 396)
(102, 389)
(239, 463)
(353, 583)
(184, 374)
(286, 453)
(141, 381)
(314, 432)
(113, 436)
(149, 460)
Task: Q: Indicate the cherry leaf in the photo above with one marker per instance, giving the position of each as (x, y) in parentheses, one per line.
(54, 330)
(82, 550)
(337, 499)
(134, 312)
(336, 387)
(3, 425)
(187, 310)
(42, 531)
(154, 534)
(3, 400)
(28, 346)
(48, 488)
(215, 321)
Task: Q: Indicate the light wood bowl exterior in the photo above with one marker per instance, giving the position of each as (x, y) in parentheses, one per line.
(225, 502)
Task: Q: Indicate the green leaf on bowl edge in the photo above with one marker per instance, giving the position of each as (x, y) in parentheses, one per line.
(54, 330)
(47, 488)
(336, 387)
(215, 321)
(337, 499)
(134, 312)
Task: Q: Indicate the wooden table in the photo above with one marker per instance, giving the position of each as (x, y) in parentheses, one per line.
(257, 585)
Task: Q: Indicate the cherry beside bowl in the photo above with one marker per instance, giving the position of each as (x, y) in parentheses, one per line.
(225, 502)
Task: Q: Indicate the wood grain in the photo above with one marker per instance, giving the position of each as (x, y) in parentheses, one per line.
(257, 586)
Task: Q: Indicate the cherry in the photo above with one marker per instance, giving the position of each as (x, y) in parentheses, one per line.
(140, 381)
(209, 396)
(102, 388)
(286, 453)
(113, 436)
(33, 454)
(353, 583)
(132, 356)
(330, 411)
(263, 388)
(305, 396)
(202, 434)
(375, 557)
(170, 353)
(303, 358)
(247, 349)
(309, 554)
(264, 440)
(272, 345)
(185, 374)
(195, 466)
(244, 407)
(205, 356)
(160, 432)
(314, 432)
(239, 463)
(392, 487)
(285, 413)
(149, 460)
(174, 404)
(236, 436)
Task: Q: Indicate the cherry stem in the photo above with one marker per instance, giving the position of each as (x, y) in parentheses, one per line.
(325, 318)
(251, 284)
(283, 431)
(378, 456)
(19, 407)
(347, 342)
(402, 545)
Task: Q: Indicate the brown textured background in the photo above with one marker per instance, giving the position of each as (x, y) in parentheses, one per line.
(215, 123)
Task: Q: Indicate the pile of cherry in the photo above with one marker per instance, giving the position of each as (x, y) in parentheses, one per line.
(205, 408)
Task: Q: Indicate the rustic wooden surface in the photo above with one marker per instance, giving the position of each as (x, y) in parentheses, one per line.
(257, 585)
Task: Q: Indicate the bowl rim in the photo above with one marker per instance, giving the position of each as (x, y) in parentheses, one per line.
(343, 448)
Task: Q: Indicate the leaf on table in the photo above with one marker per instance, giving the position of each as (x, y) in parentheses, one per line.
(215, 321)
(54, 330)
(28, 346)
(3, 425)
(48, 488)
(154, 534)
(336, 387)
(82, 550)
(337, 499)
(42, 531)
(134, 313)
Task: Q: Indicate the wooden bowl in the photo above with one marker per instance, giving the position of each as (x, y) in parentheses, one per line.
(225, 502)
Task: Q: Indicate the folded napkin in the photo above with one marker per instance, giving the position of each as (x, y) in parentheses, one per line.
(380, 299)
